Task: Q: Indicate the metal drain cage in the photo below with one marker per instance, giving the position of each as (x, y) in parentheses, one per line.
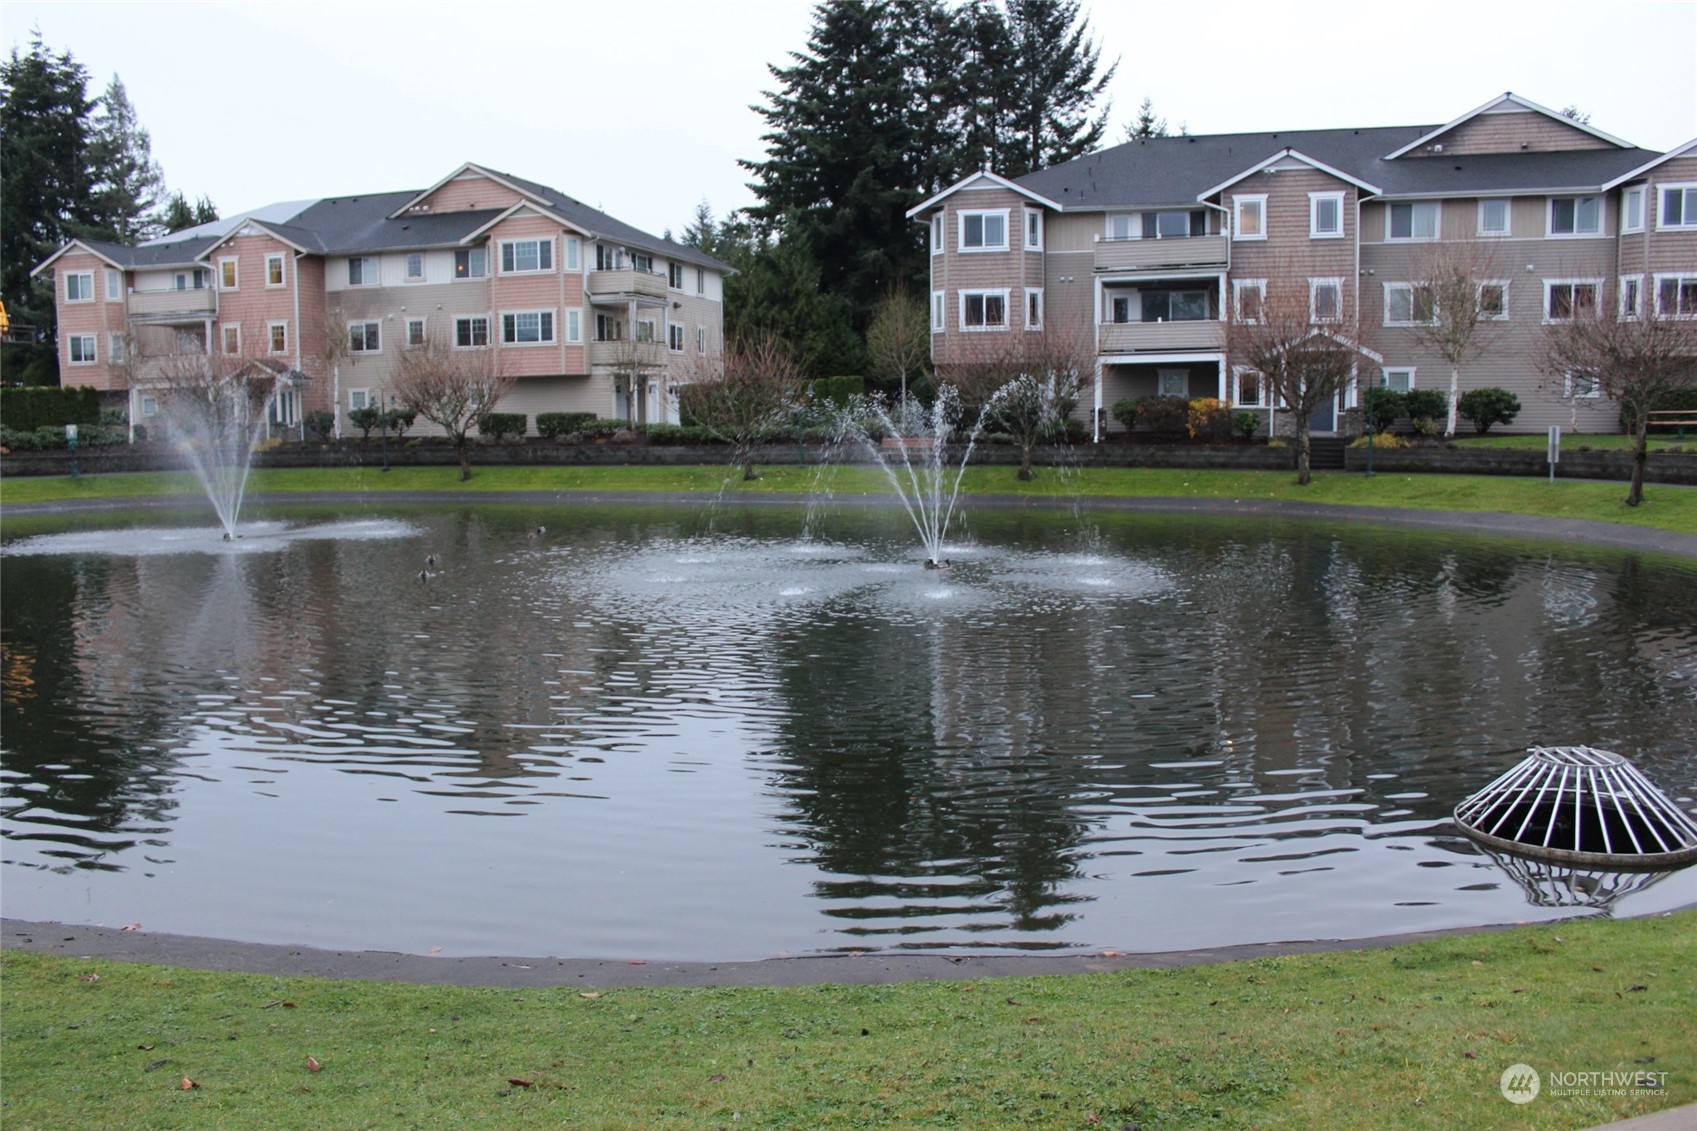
(1577, 805)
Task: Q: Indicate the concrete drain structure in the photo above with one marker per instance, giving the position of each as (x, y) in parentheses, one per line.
(1580, 807)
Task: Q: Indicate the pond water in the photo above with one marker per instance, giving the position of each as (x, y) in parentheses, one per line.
(694, 732)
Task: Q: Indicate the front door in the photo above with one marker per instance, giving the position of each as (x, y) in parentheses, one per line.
(1325, 418)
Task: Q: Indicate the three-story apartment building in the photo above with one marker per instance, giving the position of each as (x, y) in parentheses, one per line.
(587, 312)
(1154, 245)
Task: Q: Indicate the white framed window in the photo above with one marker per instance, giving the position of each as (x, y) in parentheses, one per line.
(984, 231)
(1250, 388)
(936, 233)
(274, 271)
(675, 337)
(81, 349)
(1122, 226)
(1632, 209)
(574, 253)
(1249, 216)
(471, 263)
(471, 332)
(1249, 296)
(79, 286)
(675, 276)
(1678, 206)
(1175, 225)
(937, 309)
(1564, 298)
(1325, 299)
(1034, 308)
(365, 337)
(228, 276)
(231, 336)
(701, 339)
(701, 280)
(277, 336)
(114, 285)
(518, 256)
(1033, 230)
(358, 399)
(1401, 379)
(574, 325)
(1413, 220)
(1494, 216)
(150, 406)
(642, 261)
(415, 267)
(1325, 215)
(115, 347)
(644, 330)
(1631, 295)
(362, 271)
(984, 310)
(528, 327)
(1173, 382)
(1676, 296)
(1575, 216)
(1493, 300)
(1409, 304)
(415, 332)
(609, 328)
(1581, 386)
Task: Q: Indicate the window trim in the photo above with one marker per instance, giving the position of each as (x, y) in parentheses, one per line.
(423, 325)
(1594, 391)
(574, 325)
(115, 346)
(365, 326)
(1261, 388)
(985, 327)
(1131, 222)
(1507, 230)
(1385, 371)
(1314, 285)
(228, 266)
(1413, 289)
(1033, 229)
(363, 261)
(271, 329)
(1578, 233)
(981, 214)
(469, 321)
(1030, 294)
(1687, 206)
(282, 271)
(701, 340)
(573, 254)
(364, 393)
(1314, 231)
(674, 276)
(469, 252)
(114, 285)
(1626, 224)
(1239, 286)
(1260, 201)
(937, 240)
(939, 312)
(1479, 300)
(1663, 276)
(701, 280)
(93, 351)
(675, 337)
(540, 268)
(1549, 289)
(1633, 284)
(225, 341)
(1414, 207)
(85, 291)
(551, 325)
(423, 272)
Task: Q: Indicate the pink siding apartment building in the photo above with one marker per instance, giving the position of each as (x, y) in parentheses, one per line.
(1149, 248)
(588, 313)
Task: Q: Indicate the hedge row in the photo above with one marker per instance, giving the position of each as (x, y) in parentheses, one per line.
(28, 409)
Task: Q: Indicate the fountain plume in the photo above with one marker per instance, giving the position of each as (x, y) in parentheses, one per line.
(217, 414)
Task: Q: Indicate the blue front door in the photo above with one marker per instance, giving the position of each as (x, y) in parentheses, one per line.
(1325, 418)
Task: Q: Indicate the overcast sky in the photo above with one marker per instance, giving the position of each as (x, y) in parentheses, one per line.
(643, 108)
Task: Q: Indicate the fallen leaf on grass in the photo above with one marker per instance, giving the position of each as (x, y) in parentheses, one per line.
(154, 1066)
(188, 1085)
(312, 1064)
(520, 1082)
(715, 1078)
(590, 995)
(275, 1004)
(89, 978)
(145, 1048)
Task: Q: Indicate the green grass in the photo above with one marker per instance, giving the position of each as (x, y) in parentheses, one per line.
(1575, 441)
(1414, 1036)
(1666, 508)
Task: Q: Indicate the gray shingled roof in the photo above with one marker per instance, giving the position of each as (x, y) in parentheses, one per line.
(610, 228)
(361, 223)
(1173, 171)
(180, 253)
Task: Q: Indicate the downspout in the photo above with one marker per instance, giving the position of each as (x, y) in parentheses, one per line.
(295, 286)
(1222, 385)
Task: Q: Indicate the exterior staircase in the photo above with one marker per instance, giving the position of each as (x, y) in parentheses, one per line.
(1325, 453)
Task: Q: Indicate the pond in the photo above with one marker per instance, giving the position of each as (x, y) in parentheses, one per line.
(717, 732)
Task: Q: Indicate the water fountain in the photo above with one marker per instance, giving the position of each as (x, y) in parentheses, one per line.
(218, 416)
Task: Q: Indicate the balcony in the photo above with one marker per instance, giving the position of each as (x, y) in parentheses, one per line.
(173, 305)
(1159, 255)
(626, 283)
(1162, 337)
(610, 355)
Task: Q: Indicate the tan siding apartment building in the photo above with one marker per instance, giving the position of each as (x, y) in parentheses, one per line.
(1153, 246)
(588, 313)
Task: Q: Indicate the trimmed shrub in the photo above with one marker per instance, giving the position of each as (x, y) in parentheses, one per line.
(29, 409)
(398, 420)
(1125, 412)
(498, 426)
(319, 424)
(1488, 406)
(1385, 407)
(1209, 419)
(553, 425)
(1427, 404)
(1381, 441)
(366, 419)
(1246, 424)
(1164, 416)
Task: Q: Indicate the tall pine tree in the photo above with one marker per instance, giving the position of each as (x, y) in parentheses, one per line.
(129, 188)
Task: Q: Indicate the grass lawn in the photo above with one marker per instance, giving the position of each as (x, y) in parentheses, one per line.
(1665, 508)
(1414, 1036)
(1580, 441)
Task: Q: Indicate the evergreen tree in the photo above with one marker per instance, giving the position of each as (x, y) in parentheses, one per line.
(701, 233)
(128, 185)
(205, 212)
(1056, 82)
(178, 213)
(1146, 124)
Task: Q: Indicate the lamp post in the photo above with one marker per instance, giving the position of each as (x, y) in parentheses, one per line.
(383, 421)
(1368, 407)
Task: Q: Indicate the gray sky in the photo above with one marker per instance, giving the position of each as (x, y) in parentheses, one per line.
(642, 108)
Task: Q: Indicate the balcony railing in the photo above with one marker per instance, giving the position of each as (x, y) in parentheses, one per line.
(1162, 337)
(194, 303)
(626, 283)
(609, 355)
(1155, 255)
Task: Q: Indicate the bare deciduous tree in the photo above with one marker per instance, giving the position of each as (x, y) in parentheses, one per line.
(742, 394)
(332, 351)
(899, 338)
(1633, 360)
(1027, 382)
(451, 388)
(1460, 304)
(1307, 356)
